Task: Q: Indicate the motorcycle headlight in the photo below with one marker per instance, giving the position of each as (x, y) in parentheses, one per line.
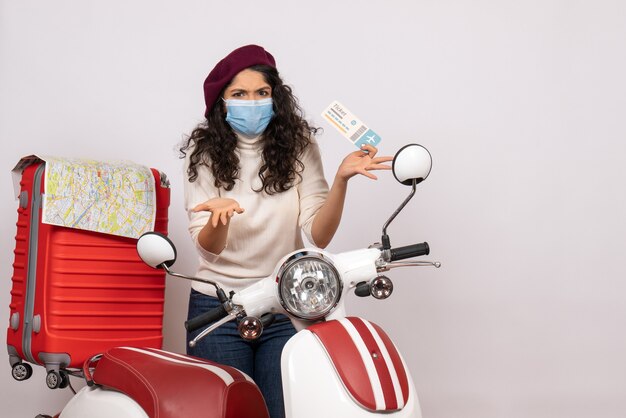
(309, 286)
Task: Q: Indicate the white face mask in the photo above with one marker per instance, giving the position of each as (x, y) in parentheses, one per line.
(249, 117)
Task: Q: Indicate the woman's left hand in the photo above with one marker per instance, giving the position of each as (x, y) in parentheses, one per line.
(360, 162)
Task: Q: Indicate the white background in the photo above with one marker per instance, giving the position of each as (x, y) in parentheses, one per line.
(521, 103)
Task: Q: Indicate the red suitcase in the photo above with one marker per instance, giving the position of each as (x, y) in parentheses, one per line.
(77, 293)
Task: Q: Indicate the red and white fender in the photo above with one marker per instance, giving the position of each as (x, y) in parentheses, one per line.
(346, 368)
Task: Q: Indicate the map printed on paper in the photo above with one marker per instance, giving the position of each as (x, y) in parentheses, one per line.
(117, 198)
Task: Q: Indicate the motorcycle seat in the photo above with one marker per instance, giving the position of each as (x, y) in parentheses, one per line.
(169, 385)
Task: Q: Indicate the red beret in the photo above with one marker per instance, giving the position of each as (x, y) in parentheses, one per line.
(229, 67)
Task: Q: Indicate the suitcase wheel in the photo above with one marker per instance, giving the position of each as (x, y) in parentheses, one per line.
(21, 371)
(65, 379)
(58, 379)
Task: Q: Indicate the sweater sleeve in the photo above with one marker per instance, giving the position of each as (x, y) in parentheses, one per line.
(199, 191)
(313, 188)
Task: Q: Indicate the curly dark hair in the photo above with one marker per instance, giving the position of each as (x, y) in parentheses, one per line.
(213, 142)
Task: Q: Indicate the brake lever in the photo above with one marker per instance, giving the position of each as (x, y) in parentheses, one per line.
(382, 265)
(234, 312)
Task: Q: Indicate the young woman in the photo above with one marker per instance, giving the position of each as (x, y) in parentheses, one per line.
(254, 183)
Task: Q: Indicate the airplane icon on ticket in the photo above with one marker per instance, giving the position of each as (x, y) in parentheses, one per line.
(369, 138)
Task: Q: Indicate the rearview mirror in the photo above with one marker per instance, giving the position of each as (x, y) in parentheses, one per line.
(156, 250)
(411, 165)
(411, 162)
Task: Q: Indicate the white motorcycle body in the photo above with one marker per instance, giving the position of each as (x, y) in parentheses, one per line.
(318, 383)
(96, 402)
(314, 384)
(312, 387)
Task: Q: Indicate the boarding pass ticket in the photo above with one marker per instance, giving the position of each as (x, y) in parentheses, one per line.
(350, 126)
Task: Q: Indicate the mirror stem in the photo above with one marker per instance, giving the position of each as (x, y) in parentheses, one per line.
(385, 238)
(195, 279)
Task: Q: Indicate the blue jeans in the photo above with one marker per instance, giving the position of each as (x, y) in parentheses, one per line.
(259, 359)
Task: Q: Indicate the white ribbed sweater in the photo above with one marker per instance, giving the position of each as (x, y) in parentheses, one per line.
(269, 228)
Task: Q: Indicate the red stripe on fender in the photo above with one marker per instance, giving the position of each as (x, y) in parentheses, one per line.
(384, 376)
(396, 360)
(346, 360)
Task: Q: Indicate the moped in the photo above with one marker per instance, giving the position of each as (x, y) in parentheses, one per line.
(334, 366)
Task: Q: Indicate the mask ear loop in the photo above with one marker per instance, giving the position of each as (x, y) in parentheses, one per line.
(224, 107)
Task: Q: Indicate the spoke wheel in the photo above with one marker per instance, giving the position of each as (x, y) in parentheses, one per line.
(65, 379)
(53, 379)
(21, 371)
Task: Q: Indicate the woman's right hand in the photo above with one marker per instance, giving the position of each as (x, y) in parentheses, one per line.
(222, 209)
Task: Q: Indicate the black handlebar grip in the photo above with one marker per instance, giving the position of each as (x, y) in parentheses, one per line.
(409, 251)
(205, 318)
(363, 289)
(267, 319)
